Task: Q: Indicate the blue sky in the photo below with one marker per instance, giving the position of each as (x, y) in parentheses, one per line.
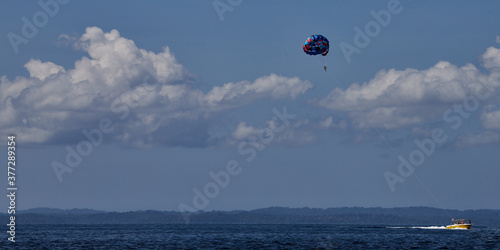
(213, 105)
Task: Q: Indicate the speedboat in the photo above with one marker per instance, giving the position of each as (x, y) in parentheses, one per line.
(460, 224)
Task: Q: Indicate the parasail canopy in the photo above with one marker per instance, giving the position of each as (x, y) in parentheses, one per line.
(315, 45)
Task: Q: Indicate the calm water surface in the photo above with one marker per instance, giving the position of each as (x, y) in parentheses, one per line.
(250, 236)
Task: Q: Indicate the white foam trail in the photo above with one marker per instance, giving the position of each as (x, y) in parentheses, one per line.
(430, 227)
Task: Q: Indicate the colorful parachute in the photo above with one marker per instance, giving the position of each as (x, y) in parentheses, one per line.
(316, 44)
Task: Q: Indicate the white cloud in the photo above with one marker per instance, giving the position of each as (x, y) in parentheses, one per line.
(65, 40)
(242, 131)
(403, 98)
(150, 97)
(272, 86)
(329, 123)
(491, 58)
(298, 132)
(40, 70)
(491, 118)
(471, 140)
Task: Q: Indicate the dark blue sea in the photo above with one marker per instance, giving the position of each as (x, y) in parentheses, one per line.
(250, 236)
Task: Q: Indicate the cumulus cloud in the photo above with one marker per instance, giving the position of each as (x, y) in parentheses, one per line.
(297, 132)
(150, 97)
(490, 118)
(395, 99)
(471, 140)
(328, 123)
(242, 131)
(65, 40)
(491, 58)
(272, 86)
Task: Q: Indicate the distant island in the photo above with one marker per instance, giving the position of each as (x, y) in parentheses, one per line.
(271, 215)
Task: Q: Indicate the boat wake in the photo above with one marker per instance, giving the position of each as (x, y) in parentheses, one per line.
(429, 227)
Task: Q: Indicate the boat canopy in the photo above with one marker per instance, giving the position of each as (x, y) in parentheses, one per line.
(468, 221)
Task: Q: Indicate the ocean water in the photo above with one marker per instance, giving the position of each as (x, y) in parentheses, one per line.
(250, 236)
